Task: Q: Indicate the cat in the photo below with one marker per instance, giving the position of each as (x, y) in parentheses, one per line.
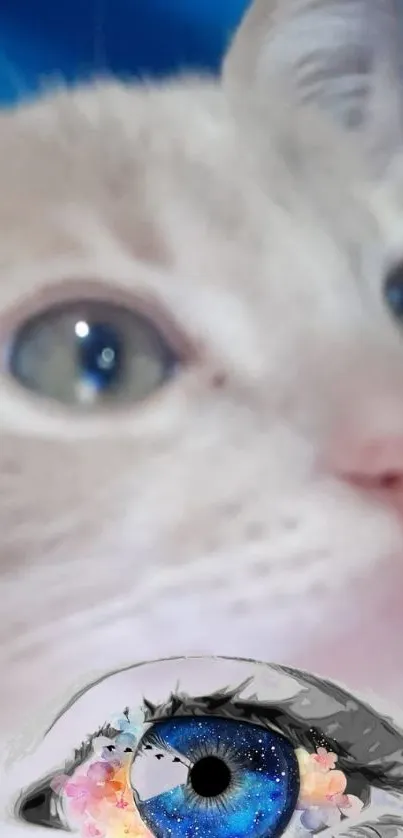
(251, 226)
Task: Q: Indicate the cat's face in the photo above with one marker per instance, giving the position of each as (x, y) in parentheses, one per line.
(252, 503)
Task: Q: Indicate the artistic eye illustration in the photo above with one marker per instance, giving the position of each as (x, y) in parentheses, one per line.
(261, 751)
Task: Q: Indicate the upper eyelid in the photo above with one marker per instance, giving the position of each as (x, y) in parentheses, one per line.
(120, 280)
(143, 300)
(159, 295)
(370, 742)
(353, 727)
(219, 703)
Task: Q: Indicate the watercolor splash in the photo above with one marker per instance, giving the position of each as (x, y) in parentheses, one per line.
(98, 799)
(322, 797)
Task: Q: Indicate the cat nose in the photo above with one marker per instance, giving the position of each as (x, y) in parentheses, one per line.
(370, 462)
(362, 428)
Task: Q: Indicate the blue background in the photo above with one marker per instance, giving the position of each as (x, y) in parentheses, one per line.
(75, 39)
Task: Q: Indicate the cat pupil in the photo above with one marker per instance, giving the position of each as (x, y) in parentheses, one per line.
(100, 356)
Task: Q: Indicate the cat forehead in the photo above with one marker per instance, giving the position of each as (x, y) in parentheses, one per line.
(130, 149)
(103, 133)
(106, 128)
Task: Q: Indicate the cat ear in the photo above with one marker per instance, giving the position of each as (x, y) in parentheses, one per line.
(341, 55)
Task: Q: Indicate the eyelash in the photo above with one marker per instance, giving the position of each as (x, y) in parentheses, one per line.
(223, 701)
(86, 748)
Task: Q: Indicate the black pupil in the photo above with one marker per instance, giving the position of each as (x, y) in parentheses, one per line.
(210, 777)
(100, 355)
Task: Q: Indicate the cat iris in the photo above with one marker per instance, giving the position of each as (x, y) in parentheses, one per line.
(208, 777)
(90, 353)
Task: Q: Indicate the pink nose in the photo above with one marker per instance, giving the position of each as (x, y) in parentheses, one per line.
(370, 463)
(363, 418)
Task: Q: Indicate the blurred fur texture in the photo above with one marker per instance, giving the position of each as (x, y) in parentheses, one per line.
(254, 506)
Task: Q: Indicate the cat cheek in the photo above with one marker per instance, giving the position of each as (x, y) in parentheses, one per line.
(361, 645)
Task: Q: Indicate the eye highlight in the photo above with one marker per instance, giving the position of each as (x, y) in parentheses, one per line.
(90, 354)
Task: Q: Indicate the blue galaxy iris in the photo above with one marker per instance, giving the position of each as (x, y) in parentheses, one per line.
(240, 780)
(100, 356)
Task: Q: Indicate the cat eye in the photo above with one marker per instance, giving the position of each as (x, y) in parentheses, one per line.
(90, 354)
(393, 290)
(218, 747)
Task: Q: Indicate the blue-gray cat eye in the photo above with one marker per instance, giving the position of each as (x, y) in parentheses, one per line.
(89, 353)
